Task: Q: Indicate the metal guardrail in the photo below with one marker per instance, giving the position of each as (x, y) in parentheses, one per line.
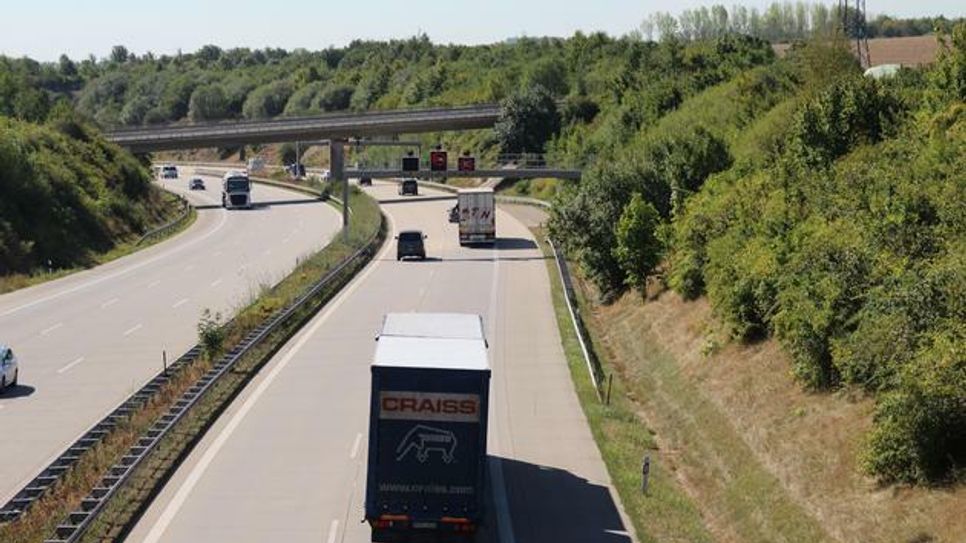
(593, 364)
(79, 521)
(49, 477)
(163, 229)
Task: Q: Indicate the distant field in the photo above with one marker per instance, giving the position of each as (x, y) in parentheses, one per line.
(911, 51)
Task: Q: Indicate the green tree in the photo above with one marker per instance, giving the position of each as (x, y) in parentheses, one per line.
(267, 101)
(527, 121)
(119, 54)
(334, 98)
(948, 80)
(638, 248)
(208, 103)
(66, 66)
(549, 73)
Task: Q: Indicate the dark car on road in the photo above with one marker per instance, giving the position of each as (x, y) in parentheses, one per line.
(409, 187)
(365, 181)
(197, 184)
(409, 243)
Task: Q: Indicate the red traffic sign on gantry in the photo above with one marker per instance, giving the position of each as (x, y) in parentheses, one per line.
(437, 161)
(466, 164)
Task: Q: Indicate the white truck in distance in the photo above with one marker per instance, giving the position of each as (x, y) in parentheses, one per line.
(476, 209)
(236, 191)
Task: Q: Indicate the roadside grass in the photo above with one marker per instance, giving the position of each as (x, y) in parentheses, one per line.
(42, 518)
(10, 283)
(666, 513)
(740, 499)
(745, 425)
(461, 182)
(541, 188)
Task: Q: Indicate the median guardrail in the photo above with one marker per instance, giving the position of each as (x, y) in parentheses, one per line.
(78, 521)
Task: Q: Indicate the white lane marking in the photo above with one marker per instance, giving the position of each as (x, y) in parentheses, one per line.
(170, 510)
(71, 365)
(109, 303)
(179, 303)
(216, 282)
(154, 283)
(355, 446)
(50, 329)
(333, 531)
(133, 329)
(117, 274)
(503, 519)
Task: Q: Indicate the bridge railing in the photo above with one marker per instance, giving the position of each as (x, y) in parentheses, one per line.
(312, 119)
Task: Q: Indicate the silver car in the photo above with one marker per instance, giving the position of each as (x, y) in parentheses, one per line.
(8, 367)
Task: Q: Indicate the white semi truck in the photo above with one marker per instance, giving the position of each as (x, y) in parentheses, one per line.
(476, 209)
(236, 191)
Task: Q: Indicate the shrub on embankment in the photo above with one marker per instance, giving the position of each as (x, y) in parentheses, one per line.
(824, 209)
(67, 195)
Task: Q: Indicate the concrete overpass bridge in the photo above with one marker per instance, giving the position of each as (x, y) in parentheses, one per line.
(336, 127)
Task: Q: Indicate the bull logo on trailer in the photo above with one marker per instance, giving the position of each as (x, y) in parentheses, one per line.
(423, 440)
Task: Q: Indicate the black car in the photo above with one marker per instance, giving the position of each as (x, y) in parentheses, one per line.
(197, 184)
(409, 243)
(409, 186)
(365, 181)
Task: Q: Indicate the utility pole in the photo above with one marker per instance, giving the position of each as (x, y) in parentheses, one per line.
(298, 160)
(337, 170)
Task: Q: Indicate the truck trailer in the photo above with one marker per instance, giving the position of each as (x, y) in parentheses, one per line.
(476, 209)
(427, 428)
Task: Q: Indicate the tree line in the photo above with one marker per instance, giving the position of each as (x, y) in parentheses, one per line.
(782, 22)
(809, 204)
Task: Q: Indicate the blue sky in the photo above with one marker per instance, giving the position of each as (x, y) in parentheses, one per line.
(43, 29)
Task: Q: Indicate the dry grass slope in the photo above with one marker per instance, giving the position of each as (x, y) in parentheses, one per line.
(763, 459)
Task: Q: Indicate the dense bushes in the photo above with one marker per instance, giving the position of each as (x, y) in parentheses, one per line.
(64, 197)
(808, 203)
(527, 120)
(848, 246)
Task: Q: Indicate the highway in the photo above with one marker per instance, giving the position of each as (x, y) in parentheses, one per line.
(286, 461)
(87, 341)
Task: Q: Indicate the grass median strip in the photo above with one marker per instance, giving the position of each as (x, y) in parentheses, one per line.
(665, 513)
(40, 520)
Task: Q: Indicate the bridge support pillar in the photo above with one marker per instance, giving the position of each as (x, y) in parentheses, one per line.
(337, 171)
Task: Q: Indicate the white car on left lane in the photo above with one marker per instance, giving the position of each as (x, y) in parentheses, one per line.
(8, 368)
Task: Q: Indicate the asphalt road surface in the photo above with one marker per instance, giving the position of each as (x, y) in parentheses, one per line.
(286, 461)
(87, 341)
